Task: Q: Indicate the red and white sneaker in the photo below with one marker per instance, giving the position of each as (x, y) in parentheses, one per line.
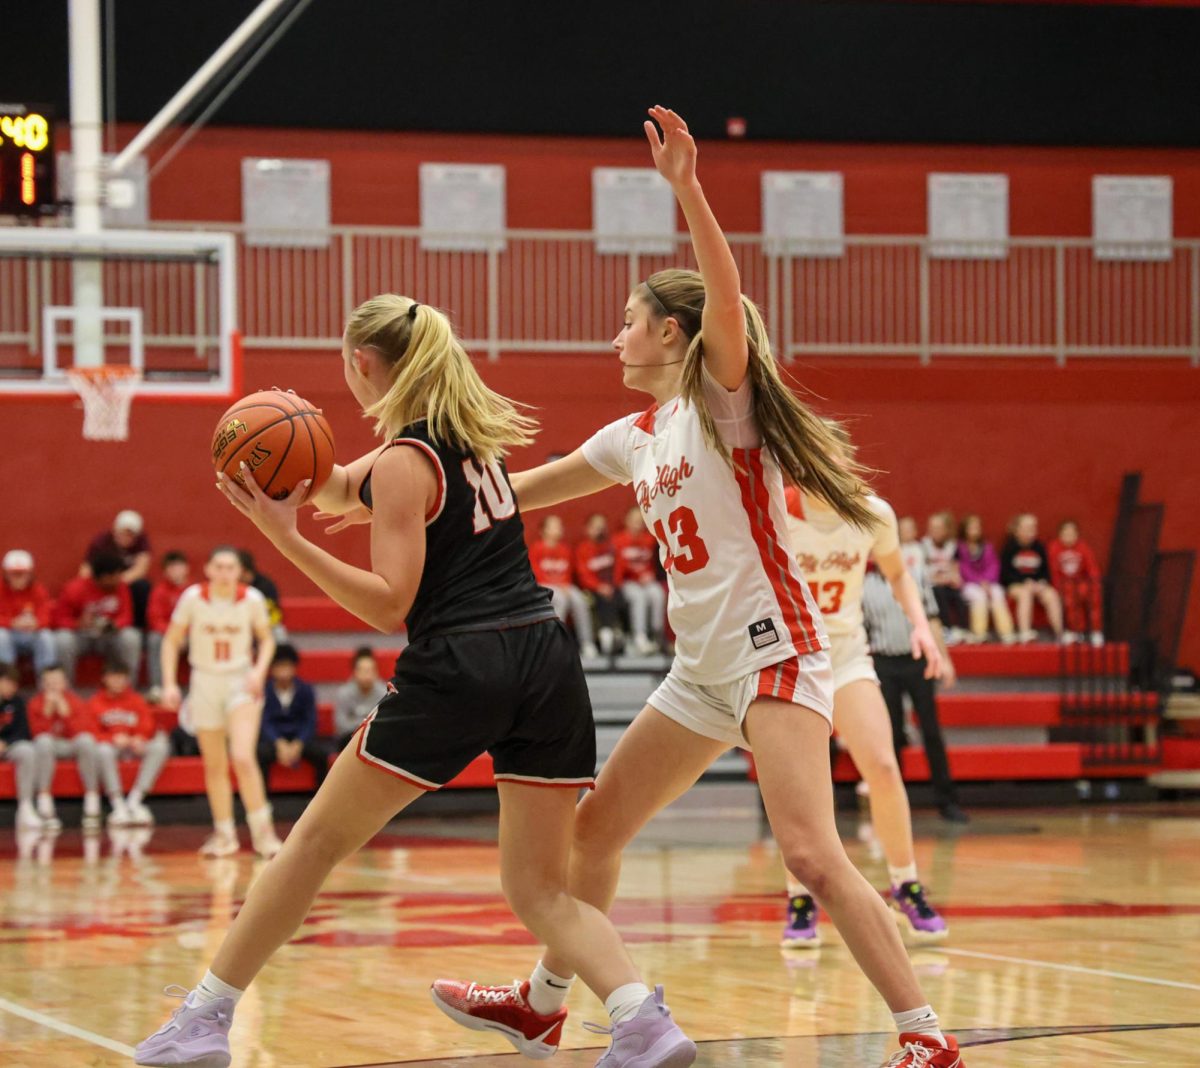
(921, 1051)
(503, 1009)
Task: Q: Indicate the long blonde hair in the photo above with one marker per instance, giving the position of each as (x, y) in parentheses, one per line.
(432, 378)
(806, 448)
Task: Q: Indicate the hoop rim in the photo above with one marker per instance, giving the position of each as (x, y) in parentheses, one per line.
(105, 372)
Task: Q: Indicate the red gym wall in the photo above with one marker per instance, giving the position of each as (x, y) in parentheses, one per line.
(993, 435)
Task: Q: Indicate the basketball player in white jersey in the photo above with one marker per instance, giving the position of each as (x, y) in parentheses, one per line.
(220, 620)
(707, 463)
(833, 555)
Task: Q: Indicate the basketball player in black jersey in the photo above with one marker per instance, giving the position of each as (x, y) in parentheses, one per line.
(488, 668)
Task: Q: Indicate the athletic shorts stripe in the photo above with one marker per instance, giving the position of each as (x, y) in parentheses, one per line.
(534, 780)
(360, 751)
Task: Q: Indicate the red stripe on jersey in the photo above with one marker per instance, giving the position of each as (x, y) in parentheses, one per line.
(645, 421)
(777, 562)
(794, 502)
(768, 679)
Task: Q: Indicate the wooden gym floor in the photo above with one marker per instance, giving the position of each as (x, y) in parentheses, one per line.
(1074, 941)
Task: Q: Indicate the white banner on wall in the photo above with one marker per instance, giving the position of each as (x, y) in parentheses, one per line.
(462, 206)
(285, 202)
(633, 210)
(1132, 218)
(802, 213)
(968, 216)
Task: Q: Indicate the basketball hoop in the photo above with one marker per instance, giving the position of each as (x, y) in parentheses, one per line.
(107, 393)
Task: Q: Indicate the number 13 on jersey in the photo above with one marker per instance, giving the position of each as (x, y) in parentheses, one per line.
(691, 554)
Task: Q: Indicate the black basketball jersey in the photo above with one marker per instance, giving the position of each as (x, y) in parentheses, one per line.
(477, 569)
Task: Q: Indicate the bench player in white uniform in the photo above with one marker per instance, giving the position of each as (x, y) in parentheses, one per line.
(706, 464)
(833, 555)
(219, 621)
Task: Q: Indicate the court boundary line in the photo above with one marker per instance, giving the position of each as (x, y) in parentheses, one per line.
(54, 1024)
(1078, 969)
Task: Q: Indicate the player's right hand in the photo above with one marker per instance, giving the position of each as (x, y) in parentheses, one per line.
(171, 698)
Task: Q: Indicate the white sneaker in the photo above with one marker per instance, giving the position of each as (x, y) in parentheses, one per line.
(608, 638)
(49, 817)
(1027, 636)
(1097, 638)
(27, 817)
(1068, 637)
(120, 816)
(92, 816)
(588, 651)
(139, 814)
(263, 838)
(643, 646)
(220, 844)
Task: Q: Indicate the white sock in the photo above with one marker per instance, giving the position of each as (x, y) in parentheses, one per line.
(796, 888)
(210, 988)
(134, 798)
(623, 1003)
(907, 874)
(259, 819)
(45, 805)
(117, 802)
(91, 803)
(922, 1021)
(547, 991)
(225, 827)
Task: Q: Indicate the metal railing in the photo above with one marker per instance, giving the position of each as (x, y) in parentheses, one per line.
(555, 291)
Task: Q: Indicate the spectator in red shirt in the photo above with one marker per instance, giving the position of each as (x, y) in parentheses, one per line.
(94, 614)
(1076, 576)
(1025, 573)
(24, 613)
(552, 567)
(126, 539)
(126, 730)
(595, 563)
(62, 727)
(635, 575)
(176, 577)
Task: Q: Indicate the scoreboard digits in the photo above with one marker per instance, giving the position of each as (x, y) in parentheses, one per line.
(26, 160)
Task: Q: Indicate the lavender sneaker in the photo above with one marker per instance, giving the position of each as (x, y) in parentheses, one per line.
(801, 930)
(195, 1035)
(649, 1039)
(914, 913)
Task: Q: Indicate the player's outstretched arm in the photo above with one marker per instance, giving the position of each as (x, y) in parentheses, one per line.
(339, 495)
(724, 321)
(561, 480)
(405, 487)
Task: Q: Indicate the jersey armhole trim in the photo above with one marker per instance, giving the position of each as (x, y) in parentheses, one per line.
(439, 502)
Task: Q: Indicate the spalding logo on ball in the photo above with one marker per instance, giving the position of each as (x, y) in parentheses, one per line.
(280, 437)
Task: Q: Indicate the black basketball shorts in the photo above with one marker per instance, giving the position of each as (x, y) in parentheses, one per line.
(518, 694)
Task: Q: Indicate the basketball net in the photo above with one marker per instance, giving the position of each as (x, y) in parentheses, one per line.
(107, 394)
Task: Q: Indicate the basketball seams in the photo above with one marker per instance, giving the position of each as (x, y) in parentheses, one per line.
(282, 457)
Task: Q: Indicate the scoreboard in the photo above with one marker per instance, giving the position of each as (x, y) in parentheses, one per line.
(26, 160)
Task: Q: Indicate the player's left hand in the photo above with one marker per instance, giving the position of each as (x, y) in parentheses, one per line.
(358, 514)
(276, 519)
(923, 645)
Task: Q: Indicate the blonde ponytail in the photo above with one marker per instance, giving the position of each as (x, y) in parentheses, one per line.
(810, 453)
(432, 378)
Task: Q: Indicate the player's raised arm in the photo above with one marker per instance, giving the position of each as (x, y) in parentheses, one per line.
(724, 319)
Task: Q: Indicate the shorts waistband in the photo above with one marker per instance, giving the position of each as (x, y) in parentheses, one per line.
(528, 619)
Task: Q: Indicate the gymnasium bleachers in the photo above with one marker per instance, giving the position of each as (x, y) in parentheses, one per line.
(1001, 721)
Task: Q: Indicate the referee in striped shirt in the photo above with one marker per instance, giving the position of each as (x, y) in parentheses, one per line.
(890, 637)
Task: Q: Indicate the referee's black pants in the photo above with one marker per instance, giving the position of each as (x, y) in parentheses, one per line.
(900, 675)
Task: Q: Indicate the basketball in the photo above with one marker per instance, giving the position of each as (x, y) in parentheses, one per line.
(281, 438)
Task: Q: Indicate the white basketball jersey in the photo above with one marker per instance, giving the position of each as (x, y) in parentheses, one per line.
(833, 555)
(220, 629)
(737, 600)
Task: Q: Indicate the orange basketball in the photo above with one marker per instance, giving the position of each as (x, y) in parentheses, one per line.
(280, 437)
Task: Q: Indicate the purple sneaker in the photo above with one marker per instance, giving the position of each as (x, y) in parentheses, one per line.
(918, 916)
(801, 930)
(649, 1039)
(195, 1035)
